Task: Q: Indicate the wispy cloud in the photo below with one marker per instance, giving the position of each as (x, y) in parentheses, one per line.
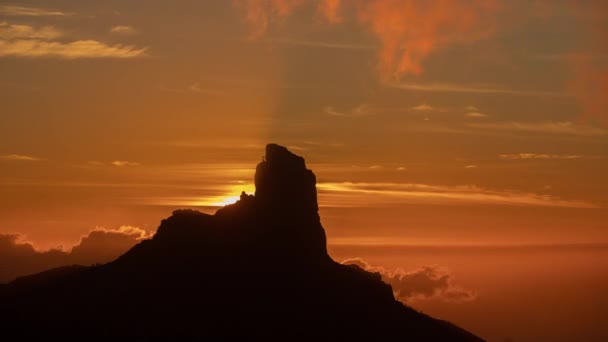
(422, 26)
(539, 156)
(20, 157)
(124, 163)
(359, 111)
(470, 88)
(15, 31)
(71, 50)
(423, 108)
(369, 194)
(197, 88)
(320, 44)
(330, 9)
(21, 11)
(565, 127)
(123, 29)
(475, 115)
(18, 40)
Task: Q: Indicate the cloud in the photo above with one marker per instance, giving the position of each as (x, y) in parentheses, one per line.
(71, 50)
(423, 108)
(318, 44)
(13, 31)
(358, 111)
(408, 31)
(411, 30)
(470, 166)
(28, 41)
(471, 88)
(19, 257)
(21, 11)
(95, 163)
(550, 127)
(539, 156)
(471, 109)
(475, 115)
(196, 87)
(330, 9)
(424, 283)
(19, 157)
(124, 163)
(123, 29)
(103, 245)
(259, 14)
(349, 194)
(117, 163)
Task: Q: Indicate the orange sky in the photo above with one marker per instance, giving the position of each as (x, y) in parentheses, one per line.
(490, 112)
(439, 131)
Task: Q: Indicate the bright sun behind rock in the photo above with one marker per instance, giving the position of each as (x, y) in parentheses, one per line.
(231, 196)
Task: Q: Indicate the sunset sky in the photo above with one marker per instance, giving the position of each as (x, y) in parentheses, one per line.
(462, 122)
(427, 123)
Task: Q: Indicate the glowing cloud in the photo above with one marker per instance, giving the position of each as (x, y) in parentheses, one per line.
(73, 50)
(123, 29)
(330, 9)
(123, 163)
(378, 194)
(19, 157)
(539, 156)
(563, 127)
(21, 11)
(13, 31)
(426, 282)
(423, 108)
(475, 115)
(259, 14)
(410, 30)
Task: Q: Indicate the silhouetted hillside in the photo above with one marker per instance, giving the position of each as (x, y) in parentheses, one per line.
(258, 268)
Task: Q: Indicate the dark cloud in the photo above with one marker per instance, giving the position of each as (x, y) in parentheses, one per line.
(19, 258)
(426, 282)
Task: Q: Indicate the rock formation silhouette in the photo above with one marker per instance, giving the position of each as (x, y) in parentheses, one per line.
(258, 268)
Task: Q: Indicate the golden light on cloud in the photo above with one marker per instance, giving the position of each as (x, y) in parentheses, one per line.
(72, 50)
(22, 11)
(348, 194)
(14, 31)
(409, 31)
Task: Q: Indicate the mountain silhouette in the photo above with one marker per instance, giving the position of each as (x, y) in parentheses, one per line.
(258, 268)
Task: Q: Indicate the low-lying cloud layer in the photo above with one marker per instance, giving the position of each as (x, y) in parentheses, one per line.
(19, 258)
(426, 282)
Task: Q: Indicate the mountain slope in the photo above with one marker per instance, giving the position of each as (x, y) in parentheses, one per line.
(257, 268)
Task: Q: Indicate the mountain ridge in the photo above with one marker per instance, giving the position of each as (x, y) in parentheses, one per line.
(257, 268)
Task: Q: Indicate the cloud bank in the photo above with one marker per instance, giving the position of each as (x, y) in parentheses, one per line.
(424, 283)
(20, 258)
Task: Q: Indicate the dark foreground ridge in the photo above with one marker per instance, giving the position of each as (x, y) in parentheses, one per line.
(258, 268)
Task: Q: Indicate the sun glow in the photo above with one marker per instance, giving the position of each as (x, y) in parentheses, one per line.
(226, 201)
(233, 194)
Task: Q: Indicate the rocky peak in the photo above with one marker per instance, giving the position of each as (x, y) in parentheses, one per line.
(284, 183)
